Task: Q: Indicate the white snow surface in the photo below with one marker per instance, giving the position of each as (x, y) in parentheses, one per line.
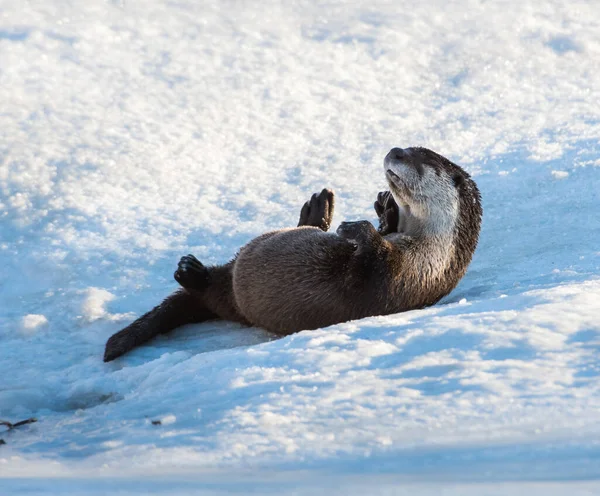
(134, 132)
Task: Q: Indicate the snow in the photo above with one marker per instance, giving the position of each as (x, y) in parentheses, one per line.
(31, 322)
(94, 305)
(560, 174)
(136, 132)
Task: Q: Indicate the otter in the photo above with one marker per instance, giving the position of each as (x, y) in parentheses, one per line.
(304, 278)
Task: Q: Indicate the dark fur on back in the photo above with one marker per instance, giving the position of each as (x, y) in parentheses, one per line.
(305, 278)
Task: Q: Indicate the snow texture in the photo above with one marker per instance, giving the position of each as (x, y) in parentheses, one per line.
(134, 132)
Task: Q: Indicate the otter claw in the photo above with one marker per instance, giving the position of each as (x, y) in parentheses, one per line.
(388, 212)
(191, 273)
(189, 262)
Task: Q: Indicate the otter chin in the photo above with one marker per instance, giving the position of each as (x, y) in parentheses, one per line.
(305, 277)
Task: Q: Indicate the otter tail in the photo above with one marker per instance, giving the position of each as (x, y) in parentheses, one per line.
(182, 307)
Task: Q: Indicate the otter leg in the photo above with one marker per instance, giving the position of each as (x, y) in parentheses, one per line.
(218, 296)
(388, 212)
(208, 295)
(318, 211)
(213, 286)
(182, 307)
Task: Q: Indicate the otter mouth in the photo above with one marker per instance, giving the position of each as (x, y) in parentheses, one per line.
(392, 176)
(401, 192)
(402, 176)
(398, 184)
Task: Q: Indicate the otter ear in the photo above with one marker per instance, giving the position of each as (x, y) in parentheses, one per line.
(458, 179)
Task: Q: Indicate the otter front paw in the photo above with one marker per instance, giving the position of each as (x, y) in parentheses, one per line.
(318, 211)
(388, 212)
(360, 232)
(191, 273)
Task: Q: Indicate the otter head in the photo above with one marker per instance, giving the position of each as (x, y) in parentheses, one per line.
(437, 199)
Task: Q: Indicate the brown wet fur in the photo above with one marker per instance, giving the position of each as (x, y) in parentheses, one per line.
(306, 278)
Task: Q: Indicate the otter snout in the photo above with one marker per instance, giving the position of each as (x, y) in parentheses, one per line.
(395, 154)
(401, 156)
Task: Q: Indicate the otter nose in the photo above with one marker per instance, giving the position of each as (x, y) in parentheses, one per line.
(396, 154)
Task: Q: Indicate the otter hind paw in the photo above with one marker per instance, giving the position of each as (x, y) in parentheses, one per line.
(191, 273)
(318, 211)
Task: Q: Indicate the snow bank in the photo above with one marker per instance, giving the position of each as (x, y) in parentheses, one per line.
(134, 133)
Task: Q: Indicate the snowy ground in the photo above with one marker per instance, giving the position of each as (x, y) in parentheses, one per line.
(137, 131)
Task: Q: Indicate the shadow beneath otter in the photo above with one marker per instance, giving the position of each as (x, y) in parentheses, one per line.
(196, 339)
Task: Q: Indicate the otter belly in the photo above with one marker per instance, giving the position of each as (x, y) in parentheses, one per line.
(290, 280)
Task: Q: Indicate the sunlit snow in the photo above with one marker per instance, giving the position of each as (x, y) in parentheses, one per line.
(134, 132)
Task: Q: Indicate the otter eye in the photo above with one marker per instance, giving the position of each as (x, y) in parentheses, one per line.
(458, 179)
